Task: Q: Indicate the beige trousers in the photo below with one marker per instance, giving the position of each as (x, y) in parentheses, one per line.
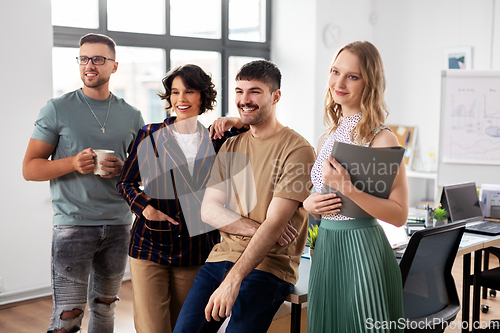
(159, 292)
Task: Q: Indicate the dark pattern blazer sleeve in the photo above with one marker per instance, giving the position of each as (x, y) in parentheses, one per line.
(128, 185)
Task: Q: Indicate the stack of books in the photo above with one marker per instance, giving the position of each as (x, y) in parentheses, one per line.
(415, 220)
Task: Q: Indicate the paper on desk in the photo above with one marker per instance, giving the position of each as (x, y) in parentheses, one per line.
(397, 236)
(306, 253)
(468, 240)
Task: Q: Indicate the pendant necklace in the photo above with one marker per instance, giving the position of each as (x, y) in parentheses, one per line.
(105, 121)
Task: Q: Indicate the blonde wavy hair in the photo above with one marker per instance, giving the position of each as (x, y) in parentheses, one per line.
(373, 107)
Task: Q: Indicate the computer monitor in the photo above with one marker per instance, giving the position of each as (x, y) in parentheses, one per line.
(462, 202)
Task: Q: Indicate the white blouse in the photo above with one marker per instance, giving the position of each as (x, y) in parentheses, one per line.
(189, 144)
(341, 134)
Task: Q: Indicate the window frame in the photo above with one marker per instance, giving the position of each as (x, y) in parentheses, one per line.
(70, 36)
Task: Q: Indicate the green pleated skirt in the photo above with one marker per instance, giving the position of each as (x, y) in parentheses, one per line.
(355, 281)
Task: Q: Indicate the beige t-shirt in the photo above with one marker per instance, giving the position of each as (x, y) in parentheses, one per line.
(251, 172)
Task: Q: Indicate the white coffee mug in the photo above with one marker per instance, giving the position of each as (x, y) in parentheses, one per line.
(100, 155)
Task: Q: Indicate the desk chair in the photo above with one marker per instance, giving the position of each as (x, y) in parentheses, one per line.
(429, 291)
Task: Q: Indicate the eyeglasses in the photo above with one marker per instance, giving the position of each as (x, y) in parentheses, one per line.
(97, 60)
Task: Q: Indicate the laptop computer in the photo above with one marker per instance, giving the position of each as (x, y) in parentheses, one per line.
(462, 203)
(396, 236)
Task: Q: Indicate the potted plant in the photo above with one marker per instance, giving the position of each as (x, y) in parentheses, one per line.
(312, 233)
(440, 216)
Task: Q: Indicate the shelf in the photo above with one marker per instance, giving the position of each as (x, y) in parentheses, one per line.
(422, 187)
(421, 174)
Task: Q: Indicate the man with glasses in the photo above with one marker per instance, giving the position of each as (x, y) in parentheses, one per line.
(91, 221)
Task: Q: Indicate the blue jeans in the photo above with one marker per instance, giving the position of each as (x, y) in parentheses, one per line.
(261, 294)
(87, 261)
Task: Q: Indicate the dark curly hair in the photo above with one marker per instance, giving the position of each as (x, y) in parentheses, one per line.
(195, 78)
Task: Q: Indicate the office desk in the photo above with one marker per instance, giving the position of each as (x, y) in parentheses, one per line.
(299, 294)
(476, 245)
(466, 251)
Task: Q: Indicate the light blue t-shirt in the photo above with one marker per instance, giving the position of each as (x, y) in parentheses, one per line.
(68, 123)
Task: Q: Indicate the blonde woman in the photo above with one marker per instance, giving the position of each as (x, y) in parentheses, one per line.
(355, 281)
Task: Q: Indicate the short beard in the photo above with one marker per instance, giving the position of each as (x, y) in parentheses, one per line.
(96, 84)
(262, 116)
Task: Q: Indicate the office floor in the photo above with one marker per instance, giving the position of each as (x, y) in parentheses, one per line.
(33, 316)
(493, 303)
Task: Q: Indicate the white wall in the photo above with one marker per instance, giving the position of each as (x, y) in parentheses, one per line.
(25, 236)
(303, 58)
(352, 18)
(496, 36)
(412, 37)
(294, 52)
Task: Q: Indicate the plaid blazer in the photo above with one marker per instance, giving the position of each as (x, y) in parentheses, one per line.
(157, 162)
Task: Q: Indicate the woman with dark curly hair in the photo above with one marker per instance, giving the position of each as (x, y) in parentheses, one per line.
(172, 160)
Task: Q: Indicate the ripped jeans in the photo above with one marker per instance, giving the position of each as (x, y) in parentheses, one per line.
(87, 261)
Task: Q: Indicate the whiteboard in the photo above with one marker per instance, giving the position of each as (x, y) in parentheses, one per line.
(469, 148)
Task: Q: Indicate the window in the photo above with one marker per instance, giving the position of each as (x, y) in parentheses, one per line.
(157, 35)
(147, 17)
(247, 20)
(71, 14)
(140, 70)
(195, 18)
(210, 62)
(65, 70)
